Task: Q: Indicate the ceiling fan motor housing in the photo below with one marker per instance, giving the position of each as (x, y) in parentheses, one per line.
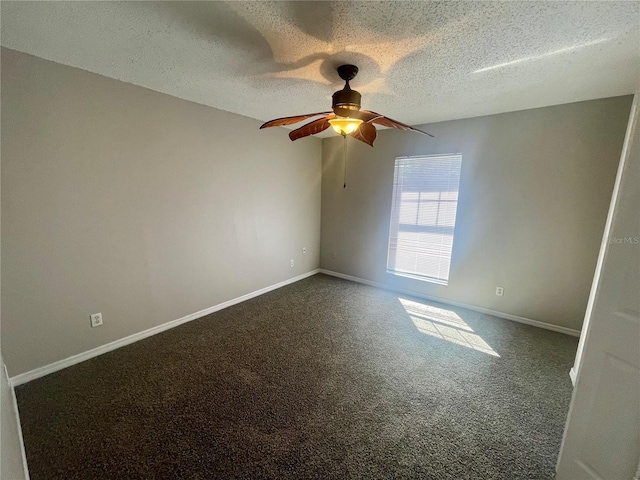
(346, 101)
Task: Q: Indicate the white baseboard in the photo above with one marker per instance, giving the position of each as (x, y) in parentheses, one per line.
(508, 316)
(16, 412)
(94, 352)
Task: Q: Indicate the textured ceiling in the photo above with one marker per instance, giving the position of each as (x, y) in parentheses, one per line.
(419, 62)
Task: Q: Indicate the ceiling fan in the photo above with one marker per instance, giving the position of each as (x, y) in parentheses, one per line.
(346, 117)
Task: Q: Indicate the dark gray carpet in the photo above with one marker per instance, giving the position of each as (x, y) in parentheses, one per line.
(320, 379)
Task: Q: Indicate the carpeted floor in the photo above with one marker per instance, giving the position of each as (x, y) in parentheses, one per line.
(322, 379)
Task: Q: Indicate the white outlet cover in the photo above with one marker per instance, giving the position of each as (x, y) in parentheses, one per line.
(292, 263)
(500, 291)
(304, 249)
(96, 320)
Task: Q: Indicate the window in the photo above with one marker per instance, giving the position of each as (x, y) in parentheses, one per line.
(423, 216)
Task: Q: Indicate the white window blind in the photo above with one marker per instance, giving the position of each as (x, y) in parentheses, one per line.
(423, 216)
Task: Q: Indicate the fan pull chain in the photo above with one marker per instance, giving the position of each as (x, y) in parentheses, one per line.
(345, 160)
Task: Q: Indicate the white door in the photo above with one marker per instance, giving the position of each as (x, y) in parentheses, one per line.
(602, 436)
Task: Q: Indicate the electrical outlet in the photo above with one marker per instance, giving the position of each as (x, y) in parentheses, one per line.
(500, 291)
(333, 254)
(292, 263)
(96, 320)
(304, 249)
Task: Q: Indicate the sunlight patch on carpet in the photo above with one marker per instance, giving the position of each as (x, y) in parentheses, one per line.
(446, 325)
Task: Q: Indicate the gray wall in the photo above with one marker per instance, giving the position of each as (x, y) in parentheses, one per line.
(534, 194)
(146, 208)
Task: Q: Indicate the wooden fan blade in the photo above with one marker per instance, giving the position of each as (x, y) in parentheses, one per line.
(366, 133)
(311, 128)
(390, 122)
(364, 115)
(278, 122)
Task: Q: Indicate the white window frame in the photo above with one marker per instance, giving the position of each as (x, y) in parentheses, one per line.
(395, 216)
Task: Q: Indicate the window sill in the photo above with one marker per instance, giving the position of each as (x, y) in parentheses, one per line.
(420, 278)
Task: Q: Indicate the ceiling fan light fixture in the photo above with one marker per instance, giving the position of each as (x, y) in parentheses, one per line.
(345, 116)
(345, 125)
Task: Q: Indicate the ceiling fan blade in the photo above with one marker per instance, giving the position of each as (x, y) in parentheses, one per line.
(390, 122)
(278, 122)
(311, 128)
(364, 115)
(365, 133)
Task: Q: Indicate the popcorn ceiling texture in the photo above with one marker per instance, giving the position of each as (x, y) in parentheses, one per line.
(418, 61)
